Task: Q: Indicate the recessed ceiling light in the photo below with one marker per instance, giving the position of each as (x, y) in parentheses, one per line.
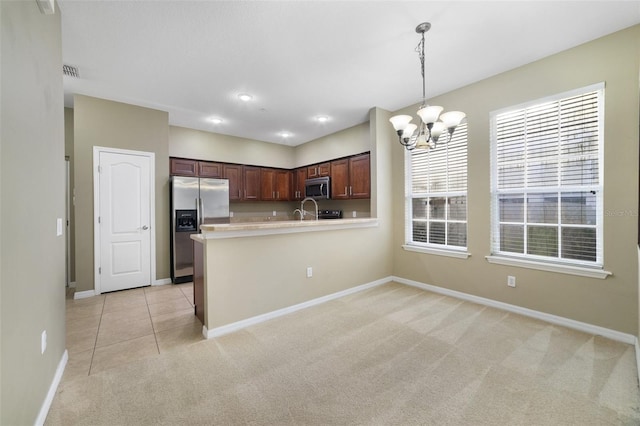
(216, 120)
(245, 97)
(285, 134)
(322, 119)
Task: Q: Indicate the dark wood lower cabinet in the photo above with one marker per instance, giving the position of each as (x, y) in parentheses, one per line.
(198, 280)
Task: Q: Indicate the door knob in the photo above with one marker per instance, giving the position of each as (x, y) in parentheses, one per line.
(145, 227)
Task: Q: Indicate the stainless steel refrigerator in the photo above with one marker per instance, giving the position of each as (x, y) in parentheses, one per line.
(194, 202)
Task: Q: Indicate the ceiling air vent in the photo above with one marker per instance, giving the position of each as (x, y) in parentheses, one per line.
(70, 71)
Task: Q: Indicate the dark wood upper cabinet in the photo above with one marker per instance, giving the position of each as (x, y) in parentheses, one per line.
(351, 178)
(233, 172)
(297, 187)
(182, 167)
(360, 176)
(340, 179)
(267, 189)
(185, 167)
(319, 170)
(252, 187)
(274, 184)
(282, 184)
(208, 169)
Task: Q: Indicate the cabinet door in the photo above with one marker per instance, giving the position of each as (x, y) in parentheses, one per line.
(208, 169)
(233, 172)
(340, 179)
(267, 189)
(312, 171)
(282, 179)
(251, 183)
(359, 177)
(324, 169)
(299, 176)
(198, 279)
(319, 170)
(182, 167)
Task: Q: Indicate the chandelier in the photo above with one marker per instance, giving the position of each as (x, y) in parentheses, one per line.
(426, 135)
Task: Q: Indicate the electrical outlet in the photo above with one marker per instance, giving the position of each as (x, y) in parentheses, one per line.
(353, 214)
(43, 342)
(511, 281)
(58, 227)
(274, 213)
(309, 272)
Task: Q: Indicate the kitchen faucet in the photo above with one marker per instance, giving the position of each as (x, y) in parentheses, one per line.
(303, 212)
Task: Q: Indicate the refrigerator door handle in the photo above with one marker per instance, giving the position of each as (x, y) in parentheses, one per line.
(198, 215)
(200, 218)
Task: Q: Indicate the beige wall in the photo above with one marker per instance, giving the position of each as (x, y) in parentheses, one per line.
(32, 271)
(98, 122)
(610, 303)
(256, 275)
(333, 146)
(196, 144)
(200, 145)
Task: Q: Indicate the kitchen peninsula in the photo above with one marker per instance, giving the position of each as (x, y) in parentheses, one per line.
(247, 272)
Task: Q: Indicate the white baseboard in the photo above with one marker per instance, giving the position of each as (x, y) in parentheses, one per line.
(46, 404)
(84, 294)
(91, 293)
(235, 326)
(162, 281)
(553, 319)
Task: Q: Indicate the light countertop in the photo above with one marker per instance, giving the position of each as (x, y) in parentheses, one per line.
(248, 229)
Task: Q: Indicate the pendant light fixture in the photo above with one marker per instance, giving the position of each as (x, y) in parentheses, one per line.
(425, 135)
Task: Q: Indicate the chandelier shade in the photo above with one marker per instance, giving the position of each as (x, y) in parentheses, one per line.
(429, 114)
(426, 134)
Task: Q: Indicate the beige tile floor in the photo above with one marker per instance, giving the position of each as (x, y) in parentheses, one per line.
(112, 329)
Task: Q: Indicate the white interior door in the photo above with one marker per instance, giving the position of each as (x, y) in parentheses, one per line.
(124, 221)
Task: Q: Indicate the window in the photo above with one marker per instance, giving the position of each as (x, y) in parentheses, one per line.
(436, 200)
(547, 179)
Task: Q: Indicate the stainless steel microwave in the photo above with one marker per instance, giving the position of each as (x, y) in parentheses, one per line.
(318, 188)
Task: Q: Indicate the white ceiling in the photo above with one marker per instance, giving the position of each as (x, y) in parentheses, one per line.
(301, 59)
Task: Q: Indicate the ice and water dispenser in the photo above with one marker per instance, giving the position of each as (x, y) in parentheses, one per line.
(186, 221)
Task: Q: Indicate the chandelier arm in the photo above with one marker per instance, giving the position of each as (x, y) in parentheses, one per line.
(450, 131)
(403, 141)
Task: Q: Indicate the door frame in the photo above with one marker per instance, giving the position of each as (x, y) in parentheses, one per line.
(97, 150)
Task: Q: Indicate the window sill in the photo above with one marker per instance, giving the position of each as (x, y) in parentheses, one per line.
(439, 252)
(550, 267)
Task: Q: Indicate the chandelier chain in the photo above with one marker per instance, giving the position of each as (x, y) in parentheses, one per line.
(420, 51)
(426, 133)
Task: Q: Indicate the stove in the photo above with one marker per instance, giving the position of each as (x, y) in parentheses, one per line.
(329, 214)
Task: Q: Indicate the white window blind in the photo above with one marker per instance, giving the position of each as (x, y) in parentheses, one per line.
(547, 179)
(437, 194)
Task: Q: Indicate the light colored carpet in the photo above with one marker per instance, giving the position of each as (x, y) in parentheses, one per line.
(391, 355)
